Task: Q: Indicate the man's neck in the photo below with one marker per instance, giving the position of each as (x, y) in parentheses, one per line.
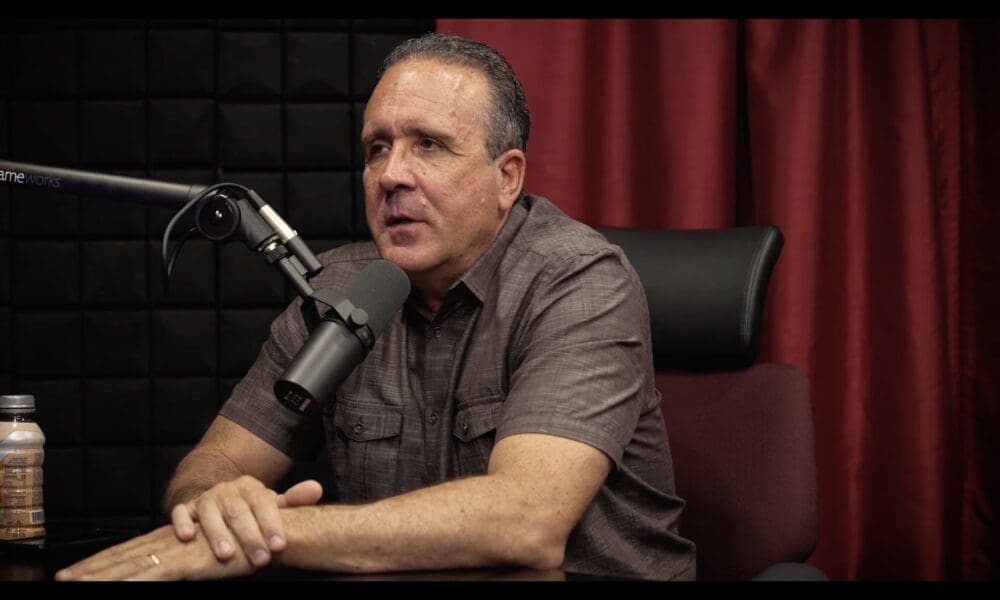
(430, 295)
(432, 287)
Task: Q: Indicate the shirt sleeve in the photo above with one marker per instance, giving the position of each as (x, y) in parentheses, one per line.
(253, 404)
(581, 367)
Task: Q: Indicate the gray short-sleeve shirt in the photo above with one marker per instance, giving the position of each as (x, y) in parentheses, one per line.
(548, 332)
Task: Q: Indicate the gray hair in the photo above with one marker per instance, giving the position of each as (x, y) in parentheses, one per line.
(508, 123)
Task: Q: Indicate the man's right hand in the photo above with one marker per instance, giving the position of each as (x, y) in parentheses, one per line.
(242, 512)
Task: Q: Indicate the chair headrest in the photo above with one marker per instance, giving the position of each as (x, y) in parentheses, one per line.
(705, 288)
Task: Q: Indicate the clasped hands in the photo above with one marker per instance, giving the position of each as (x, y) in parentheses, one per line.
(231, 529)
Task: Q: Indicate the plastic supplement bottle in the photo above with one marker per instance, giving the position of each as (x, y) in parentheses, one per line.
(21, 455)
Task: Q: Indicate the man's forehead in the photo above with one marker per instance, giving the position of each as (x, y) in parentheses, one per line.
(417, 90)
(430, 79)
(431, 66)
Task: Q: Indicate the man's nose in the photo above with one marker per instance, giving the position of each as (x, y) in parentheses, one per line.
(396, 169)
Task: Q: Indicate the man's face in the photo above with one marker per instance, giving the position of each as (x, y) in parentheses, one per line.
(433, 199)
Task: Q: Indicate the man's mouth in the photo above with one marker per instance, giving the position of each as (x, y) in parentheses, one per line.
(400, 220)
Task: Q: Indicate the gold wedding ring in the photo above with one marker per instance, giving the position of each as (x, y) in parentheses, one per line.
(154, 558)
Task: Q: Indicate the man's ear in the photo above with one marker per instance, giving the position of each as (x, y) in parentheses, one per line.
(511, 166)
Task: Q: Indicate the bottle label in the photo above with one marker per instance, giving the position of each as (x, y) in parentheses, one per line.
(21, 517)
(21, 533)
(21, 457)
(20, 497)
(20, 477)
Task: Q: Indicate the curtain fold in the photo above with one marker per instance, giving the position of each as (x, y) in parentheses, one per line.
(621, 135)
(854, 136)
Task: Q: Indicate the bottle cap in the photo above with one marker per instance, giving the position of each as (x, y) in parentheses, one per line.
(17, 402)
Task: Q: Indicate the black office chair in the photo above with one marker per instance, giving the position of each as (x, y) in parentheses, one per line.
(741, 434)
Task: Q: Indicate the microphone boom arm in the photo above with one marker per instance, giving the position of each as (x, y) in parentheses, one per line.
(220, 214)
(72, 181)
(338, 340)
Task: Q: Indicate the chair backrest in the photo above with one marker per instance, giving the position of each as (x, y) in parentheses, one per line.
(741, 434)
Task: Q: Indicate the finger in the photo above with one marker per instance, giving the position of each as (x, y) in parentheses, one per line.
(122, 569)
(116, 556)
(301, 494)
(267, 522)
(213, 525)
(182, 517)
(150, 574)
(158, 570)
(101, 560)
(247, 526)
(190, 561)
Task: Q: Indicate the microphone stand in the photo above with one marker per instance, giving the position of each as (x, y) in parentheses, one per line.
(220, 217)
(222, 212)
(228, 211)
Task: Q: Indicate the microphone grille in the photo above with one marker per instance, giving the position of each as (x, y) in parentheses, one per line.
(380, 289)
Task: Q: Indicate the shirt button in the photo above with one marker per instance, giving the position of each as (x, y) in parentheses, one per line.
(433, 418)
(436, 331)
(465, 428)
(359, 428)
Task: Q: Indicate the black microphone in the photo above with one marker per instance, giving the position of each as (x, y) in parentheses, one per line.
(344, 336)
(85, 183)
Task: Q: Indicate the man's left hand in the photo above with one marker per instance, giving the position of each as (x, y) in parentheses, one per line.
(158, 555)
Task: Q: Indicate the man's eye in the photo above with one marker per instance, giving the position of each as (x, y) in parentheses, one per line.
(376, 149)
(429, 144)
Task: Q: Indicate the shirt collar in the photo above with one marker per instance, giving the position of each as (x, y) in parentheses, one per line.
(482, 273)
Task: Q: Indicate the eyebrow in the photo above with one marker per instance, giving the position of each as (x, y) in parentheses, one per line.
(372, 135)
(380, 132)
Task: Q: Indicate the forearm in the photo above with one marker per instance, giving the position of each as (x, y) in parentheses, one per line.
(466, 523)
(198, 472)
(225, 452)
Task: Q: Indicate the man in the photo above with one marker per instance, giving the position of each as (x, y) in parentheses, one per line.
(506, 416)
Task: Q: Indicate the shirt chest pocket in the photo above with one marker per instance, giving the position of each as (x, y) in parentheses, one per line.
(365, 449)
(474, 434)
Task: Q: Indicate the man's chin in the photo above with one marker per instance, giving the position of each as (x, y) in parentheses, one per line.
(406, 233)
(408, 258)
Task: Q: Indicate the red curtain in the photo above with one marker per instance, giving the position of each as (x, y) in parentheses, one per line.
(864, 141)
